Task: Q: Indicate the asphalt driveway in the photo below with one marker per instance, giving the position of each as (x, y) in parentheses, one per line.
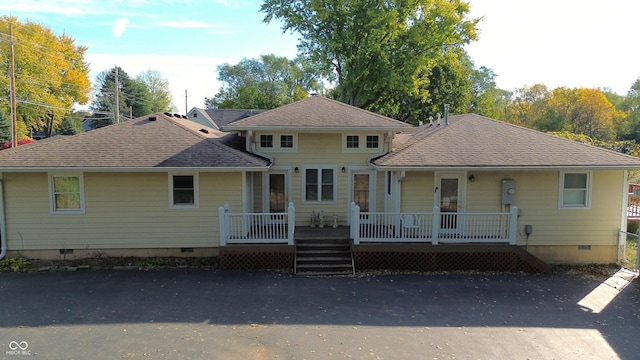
(267, 315)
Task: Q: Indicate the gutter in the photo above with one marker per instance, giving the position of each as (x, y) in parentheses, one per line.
(3, 222)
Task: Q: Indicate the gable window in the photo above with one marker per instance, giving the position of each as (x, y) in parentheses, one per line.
(266, 141)
(319, 184)
(353, 141)
(183, 191)
(372, 141)
(575, 190)
(67, 193)
(286, 141)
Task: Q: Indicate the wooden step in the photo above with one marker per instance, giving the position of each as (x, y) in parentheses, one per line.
(320, 256)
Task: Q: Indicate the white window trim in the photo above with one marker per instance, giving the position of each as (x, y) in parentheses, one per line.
(362, 143)
(561, 204)
(276, 143)
(274, 138)
(335, 184)
(196, 191)
(52, 195)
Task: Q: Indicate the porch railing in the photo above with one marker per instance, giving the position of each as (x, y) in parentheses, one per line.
(435, 227)
(256, 228)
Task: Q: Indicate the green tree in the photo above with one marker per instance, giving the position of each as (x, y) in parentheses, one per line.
(133, 97)
(50, 70)
(486, 98)
(69, 126)
(5, 128)
(264, 83)
(527, 105)
(158, 89)
(381, 53)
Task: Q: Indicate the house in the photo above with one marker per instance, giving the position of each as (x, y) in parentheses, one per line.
(218, 118)
(429, 197)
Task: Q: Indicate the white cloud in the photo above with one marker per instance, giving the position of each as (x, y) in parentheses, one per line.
(120, 26)
(232, 3)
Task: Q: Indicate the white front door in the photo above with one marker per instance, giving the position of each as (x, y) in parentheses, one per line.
(450, 198)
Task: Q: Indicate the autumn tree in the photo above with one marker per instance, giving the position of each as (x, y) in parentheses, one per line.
(50, 71)
(381, 53)
(158, 90)
(527, 105)
(264, 83)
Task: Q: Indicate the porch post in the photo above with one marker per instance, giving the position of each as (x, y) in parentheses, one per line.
(355, 223)
(513, 225)
(222, 220)
(435, 225)
(291, 221)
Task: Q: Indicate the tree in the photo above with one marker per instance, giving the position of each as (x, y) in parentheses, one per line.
(264, 83)
(5, 128)
(527, 105)
(133, 97)
(50, 70)
(158, 89)
(381, 53)
(486, 98)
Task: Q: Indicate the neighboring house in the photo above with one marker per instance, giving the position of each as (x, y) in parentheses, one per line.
(162, 185)
(218, 118)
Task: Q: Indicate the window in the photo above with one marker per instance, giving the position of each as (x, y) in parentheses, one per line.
(286, 141)
(372, 142)
(574, 190)
(67, 194)
(184, 191)
(266, 141)
(353, 141)
(320, 184)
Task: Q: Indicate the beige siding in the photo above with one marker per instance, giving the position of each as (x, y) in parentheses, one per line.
(322, 149)
(537, 197)
(129, 210)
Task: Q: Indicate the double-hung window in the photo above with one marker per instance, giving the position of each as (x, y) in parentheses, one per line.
(67, 194)
(183, 191)
(320, 184)
(575, 190)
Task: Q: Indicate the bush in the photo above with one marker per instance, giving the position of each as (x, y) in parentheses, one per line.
(15, 264)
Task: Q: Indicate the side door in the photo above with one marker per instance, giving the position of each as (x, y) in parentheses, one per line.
(450, 198)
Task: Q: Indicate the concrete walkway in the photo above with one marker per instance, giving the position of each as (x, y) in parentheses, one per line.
(265, 315)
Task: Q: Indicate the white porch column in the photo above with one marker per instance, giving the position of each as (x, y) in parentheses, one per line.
(291, 221)
(355, 223)
(222, 220)
(435, 225)
(513, 225)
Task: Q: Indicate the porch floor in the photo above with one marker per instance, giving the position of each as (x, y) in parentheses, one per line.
(306, 232)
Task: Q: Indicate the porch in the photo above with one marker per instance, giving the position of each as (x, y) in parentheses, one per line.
(432, 241)
(434, 227)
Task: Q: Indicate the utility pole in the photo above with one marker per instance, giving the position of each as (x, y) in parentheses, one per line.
(12, 90)
(186, 109)
(117, 107)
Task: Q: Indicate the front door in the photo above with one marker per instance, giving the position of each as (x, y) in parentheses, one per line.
(450, 191)
(277, 196)
(363, 190)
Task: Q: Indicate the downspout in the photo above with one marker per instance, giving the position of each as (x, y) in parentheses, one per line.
(386, 147)
(251, 147)
(3, 222)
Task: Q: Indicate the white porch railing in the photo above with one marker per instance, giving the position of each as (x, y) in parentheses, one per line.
(435, 227)
(256, 228)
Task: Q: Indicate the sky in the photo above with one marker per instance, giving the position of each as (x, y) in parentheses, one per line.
(572, 43)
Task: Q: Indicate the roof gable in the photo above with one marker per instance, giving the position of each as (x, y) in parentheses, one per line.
(318, 112)
(474, 141)
(155, 141)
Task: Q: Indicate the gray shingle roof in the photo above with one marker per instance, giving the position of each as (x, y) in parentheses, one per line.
(317, 112)
(167, 142)
(474, 141)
